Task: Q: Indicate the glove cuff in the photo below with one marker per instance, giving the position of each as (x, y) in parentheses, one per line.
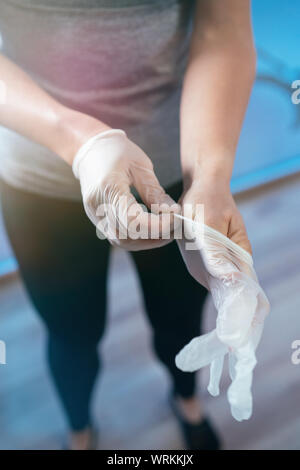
(81, 153)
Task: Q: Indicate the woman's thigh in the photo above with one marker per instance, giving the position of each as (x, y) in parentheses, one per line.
(62, 262)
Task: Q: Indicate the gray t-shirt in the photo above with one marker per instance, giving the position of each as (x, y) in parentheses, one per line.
(121, 61)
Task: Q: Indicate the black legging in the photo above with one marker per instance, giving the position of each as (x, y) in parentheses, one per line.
(64, 268)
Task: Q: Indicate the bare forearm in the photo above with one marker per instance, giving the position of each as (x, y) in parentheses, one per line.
(30, 111)
(216, 90)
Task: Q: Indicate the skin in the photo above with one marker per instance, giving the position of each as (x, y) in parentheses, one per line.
(217, 85)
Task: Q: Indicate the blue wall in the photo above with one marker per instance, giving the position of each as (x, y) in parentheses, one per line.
(270, 141)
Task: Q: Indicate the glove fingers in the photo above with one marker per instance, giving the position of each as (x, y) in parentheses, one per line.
(242, 307)
(239, 393)
(216, 369)
(231, 364)
(141, 224)
(200, 352)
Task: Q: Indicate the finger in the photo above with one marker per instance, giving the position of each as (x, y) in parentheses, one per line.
(200, 352)
(238, 234)
(151, 192)
(157, 200)
(216, 369)
(134, 222)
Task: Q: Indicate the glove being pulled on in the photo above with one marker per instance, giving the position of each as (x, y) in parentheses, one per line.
(226, 270)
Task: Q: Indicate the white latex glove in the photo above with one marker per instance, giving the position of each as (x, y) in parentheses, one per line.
(108, 165)
(227, 271)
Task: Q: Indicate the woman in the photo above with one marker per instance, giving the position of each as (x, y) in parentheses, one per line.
(75, 69)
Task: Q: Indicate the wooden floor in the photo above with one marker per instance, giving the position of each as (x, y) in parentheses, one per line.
(130, 403)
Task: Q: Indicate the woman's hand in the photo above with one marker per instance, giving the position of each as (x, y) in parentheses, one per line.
(220, 210)
(106, 169)
(108, 165)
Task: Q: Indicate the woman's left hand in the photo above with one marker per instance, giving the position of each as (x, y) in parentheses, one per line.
(220, 210)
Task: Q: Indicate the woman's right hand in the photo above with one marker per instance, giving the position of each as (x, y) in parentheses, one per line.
(108, 165)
